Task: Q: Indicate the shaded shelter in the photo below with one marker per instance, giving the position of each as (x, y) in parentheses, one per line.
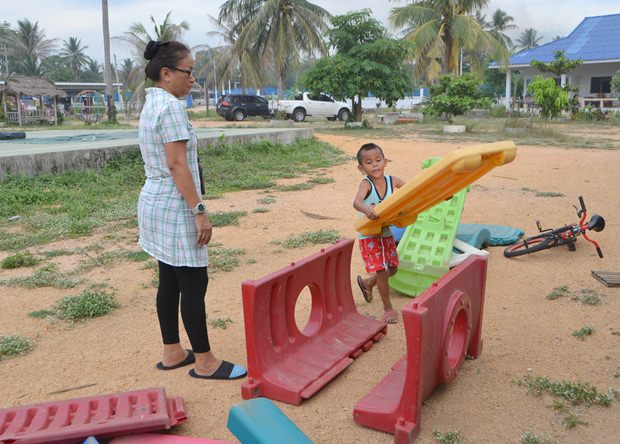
(15, 88)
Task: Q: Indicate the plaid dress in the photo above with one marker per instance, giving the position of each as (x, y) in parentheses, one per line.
(167, 227)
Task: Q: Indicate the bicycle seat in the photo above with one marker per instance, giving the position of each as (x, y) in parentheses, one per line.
(597, 223)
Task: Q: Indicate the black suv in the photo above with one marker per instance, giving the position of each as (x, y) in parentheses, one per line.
(239, 106)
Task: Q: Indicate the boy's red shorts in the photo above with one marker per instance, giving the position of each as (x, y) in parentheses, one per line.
(379, 253)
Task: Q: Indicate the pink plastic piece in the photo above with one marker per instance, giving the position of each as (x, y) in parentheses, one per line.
(289, 365)
(73, 420)
(155, 438)
(442, 325)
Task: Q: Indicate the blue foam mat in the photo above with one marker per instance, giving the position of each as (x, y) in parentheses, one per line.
(260, 421)
(500, 234)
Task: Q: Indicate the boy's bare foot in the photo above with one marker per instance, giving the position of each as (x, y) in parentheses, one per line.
(365, 291)
(390, 316)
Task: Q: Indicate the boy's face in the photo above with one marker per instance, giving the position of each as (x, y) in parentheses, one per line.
(373, 163)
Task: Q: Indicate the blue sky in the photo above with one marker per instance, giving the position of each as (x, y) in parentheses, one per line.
(82, 18)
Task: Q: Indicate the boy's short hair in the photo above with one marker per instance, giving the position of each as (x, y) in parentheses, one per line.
(368, 147)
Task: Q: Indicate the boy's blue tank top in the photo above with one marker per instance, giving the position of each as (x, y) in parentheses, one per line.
(373, 198)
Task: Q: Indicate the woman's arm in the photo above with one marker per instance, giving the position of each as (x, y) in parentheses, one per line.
(176, 157)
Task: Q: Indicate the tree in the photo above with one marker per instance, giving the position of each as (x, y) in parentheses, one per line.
(440, 29)
(92, 73)
(560, 65)
(365, 62)
(500, 23)
(281, 31)
(138, 37)
(107, 63)
(55, 69)
(30, 41)
(453, 95)
(73, 53)
(615, 83)
(549, 97)
(528, 39)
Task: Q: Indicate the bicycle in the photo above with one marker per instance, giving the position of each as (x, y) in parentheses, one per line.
(566, 235)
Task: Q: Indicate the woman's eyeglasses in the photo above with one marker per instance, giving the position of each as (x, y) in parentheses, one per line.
(189, 72)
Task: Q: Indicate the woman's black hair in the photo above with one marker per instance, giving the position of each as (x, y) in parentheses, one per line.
(163, 55)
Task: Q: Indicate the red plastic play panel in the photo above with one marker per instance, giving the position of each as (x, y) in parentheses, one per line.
(290, 365)
(73, 420)
(442, 325)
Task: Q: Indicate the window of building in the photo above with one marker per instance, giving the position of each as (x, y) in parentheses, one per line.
(600, 85)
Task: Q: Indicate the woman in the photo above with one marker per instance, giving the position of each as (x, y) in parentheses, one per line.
(174, 225)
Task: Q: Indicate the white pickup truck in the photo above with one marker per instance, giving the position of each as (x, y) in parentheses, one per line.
(308, 104)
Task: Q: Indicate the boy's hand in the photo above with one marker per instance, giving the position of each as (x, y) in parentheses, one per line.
(370, 214)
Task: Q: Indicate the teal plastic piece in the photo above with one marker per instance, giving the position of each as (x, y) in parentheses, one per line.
(260, 421)
(500, 234)
(478, 238)
(425, 249)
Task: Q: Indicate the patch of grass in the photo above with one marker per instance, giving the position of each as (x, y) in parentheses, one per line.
(531, 438)
(260, 210)
(549, 194)
(558, 292)
(588, 297)
(88, 304)
(312, 237)
(46, 276)
(266, 200)
(56, 253)
(41, 314)
(13, 345)
(138, 256)
(226, 218)
(615, 333)
(453, 437)
(72, 204)
(320, 180)
(19, 260)
(577, 393)
(583, 332)
(571, 421)
(296, 187)
(220, 323)
(224, 259)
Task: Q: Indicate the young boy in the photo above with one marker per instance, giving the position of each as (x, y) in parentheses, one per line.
(378, 252)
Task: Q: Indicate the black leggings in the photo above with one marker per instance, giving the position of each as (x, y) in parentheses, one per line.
(189, 284)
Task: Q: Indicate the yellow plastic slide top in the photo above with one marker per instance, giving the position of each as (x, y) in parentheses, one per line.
(435, 184)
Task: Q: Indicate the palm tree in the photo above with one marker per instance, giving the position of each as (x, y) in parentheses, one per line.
(107, 63)
(500, 23)
(279, 31)
(74, 54)
(440, 29)
(30, 41)
(92, 71)
(226, 62)
(528, 39)
(31, 66)
(138, 37)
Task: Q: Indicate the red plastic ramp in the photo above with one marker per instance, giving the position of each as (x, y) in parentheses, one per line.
(289, 365)
(73, 420)
(442, 325)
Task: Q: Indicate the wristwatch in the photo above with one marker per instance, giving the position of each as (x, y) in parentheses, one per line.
(198, 209)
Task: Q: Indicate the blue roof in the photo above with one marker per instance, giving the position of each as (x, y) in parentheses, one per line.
(595, 39)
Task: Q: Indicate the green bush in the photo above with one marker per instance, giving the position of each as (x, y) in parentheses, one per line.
(549, 97)
(12, 345)
(499, 111)
(19, 260)
(453, 96)
(88, 304)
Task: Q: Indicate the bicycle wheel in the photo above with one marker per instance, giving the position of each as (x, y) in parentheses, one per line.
(528, 246)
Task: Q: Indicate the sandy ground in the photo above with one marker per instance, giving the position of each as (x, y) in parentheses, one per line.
(524, 333)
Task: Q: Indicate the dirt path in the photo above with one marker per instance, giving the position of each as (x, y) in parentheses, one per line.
(524, 333)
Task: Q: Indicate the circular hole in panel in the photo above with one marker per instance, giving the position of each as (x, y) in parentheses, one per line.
(458, 336)
(303, 309)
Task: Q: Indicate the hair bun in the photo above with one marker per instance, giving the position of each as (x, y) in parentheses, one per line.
(151, 49)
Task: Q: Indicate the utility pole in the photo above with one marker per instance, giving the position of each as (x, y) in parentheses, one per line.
(118, 87)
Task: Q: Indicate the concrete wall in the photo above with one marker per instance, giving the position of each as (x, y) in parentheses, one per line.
(79, 159)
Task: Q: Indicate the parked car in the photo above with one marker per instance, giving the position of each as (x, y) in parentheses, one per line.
(239, 106)
(308, 104)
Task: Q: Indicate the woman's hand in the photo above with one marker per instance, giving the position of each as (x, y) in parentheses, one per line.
(205, 229)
